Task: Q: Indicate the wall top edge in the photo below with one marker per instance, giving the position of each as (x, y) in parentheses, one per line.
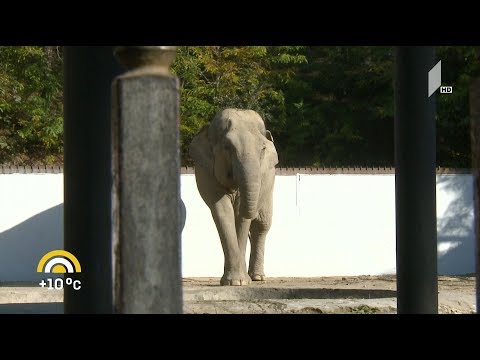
(58, 169)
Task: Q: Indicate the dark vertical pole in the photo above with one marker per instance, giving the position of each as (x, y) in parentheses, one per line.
(475, 134)
(88, 73)
(415, 182)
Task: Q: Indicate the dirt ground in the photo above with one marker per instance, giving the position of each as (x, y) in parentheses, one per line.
(325, 295)
(334, 295)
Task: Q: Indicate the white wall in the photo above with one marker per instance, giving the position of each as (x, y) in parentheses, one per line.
(323, 225)
(330, 225)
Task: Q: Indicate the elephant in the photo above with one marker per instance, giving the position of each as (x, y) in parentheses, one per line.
(235, 160)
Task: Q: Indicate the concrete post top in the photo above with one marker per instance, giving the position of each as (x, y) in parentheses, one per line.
(146, 60)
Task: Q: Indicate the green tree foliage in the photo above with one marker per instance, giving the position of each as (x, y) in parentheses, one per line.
(216, 77)
(339, 108)
(326, 106)
(460, 65)
(31, 104)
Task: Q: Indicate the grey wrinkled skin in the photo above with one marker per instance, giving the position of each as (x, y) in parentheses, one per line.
(183, 214)
(235, 162)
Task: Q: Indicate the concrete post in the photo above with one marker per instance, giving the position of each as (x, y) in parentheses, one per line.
(146, 186)
(475, 135)
(88, 74)
(415, 182)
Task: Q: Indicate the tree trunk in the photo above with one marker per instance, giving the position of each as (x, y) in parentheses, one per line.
(475, 135)
(51, 56)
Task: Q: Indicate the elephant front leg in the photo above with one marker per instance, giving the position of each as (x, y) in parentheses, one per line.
(235, 272)
(243, 227)
(258, 234)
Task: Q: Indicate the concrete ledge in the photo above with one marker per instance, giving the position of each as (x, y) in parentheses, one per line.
(325, 295)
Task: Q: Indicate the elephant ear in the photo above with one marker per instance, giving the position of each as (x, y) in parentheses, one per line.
(271, 153)
(201, 150)
(269, 135)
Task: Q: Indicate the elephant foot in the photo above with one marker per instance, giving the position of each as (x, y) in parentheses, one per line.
(234, 279)
(257, 277)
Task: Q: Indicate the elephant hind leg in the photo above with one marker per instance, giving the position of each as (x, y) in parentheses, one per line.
(258, 234)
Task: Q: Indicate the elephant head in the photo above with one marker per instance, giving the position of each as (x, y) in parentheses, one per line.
(236, 149)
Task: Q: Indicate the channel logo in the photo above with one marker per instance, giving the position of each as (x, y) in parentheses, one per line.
(59, 262)
(435, 81)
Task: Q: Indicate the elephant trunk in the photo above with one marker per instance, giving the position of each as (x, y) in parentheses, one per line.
(249, 184)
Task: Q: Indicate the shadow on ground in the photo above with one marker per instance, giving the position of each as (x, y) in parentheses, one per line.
(248, 293)
(35, 308)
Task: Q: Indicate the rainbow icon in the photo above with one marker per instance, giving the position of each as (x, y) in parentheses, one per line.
(59, 262)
